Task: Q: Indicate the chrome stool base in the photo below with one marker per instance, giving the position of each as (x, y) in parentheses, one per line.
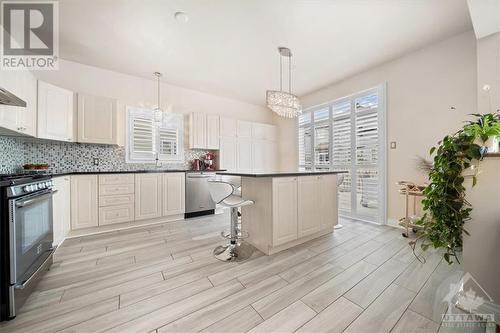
(233, 252)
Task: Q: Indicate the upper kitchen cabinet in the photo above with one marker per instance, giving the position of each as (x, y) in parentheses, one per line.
(213, 132)
(55, 112)
(228, 127)
(16, 119)
(203, 131)
(97, 119)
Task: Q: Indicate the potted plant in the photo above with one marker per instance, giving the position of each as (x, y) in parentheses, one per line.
(485, 129)
(444, 202)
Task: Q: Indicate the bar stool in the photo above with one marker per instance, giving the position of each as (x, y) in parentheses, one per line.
(223, 193)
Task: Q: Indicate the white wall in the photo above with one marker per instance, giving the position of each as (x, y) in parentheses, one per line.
(421, 88)
(488, 73)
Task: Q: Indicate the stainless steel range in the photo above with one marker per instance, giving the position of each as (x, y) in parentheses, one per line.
(26, 237)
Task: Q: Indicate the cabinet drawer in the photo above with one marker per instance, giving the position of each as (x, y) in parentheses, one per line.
(116, 214)
(114, 200)
(116, 189)
(116, 179)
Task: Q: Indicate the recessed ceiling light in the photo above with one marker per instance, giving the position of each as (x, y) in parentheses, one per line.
(181, 17)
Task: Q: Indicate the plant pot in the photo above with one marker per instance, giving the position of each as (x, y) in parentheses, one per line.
(491, 145)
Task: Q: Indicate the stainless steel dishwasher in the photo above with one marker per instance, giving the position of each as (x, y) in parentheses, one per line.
(198, 199)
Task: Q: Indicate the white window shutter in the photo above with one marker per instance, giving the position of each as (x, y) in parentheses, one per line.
(141, 136)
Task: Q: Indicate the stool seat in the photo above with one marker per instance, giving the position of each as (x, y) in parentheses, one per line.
(235, 201)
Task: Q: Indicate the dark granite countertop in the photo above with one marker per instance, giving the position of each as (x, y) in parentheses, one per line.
(279, 173)
(57, 174)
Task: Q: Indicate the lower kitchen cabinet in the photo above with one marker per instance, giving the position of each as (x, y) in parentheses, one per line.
(116, 214)
(148, 196)
(84, 201)
(284, 210)
(309, 211)
(173, 193)
(328, 199)
(61, 208)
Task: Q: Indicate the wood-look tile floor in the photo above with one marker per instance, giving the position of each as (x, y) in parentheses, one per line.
(163, 278)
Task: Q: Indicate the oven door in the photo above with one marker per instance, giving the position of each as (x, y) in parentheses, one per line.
(30, 235)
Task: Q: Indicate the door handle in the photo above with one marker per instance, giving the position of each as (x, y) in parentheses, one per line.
(32, 201)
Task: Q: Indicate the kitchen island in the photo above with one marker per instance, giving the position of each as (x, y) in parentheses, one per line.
(290, 207)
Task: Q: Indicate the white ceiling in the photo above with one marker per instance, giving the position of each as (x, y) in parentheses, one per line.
(228, 47)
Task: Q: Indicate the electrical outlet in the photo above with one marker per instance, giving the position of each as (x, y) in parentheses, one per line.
(96, 161)
(393, 144)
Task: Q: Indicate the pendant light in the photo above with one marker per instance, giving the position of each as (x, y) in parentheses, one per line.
(158, 112)
(284, 103)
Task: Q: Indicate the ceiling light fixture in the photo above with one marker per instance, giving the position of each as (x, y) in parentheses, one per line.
(158, 112)
(284, 103)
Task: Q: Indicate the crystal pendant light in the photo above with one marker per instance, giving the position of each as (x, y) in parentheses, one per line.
(284, 103)
(158, 112)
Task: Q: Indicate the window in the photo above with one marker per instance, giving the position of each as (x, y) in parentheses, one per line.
(348, 134)
(148, 142)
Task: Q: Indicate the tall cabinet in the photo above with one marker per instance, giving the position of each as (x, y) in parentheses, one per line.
(246, 146)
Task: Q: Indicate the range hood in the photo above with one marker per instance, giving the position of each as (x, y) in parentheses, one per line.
(8, 98)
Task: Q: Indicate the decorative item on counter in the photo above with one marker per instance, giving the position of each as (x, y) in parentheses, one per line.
(196, 164)
(209, 161)
(36, 167)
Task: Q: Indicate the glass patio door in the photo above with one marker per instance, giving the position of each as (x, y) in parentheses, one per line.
(349, 135)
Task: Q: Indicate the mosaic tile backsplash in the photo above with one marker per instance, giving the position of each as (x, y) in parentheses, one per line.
(75, 157)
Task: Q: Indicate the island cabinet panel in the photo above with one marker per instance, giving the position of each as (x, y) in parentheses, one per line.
(148, 196)
(84, 201)
(173, 193)
(310, 210)
(328, 200)
(284, 210)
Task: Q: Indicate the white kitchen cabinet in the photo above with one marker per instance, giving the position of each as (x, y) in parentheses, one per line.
(244, 154)
(84, 202)
(244, 129)
(173, 193)
(310, 205)
(61, 208)
(55, 113)
(14, 118)
(212, 132)
(97, 119)
(197, 131)
(204, 131)
(148, 196)
(328, 201)
(264, 131)
(228, 153)
(116, 214)
(284, 210)
(259, 155)
(228, 127)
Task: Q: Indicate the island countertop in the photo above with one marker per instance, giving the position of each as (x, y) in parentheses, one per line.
(279, 173)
